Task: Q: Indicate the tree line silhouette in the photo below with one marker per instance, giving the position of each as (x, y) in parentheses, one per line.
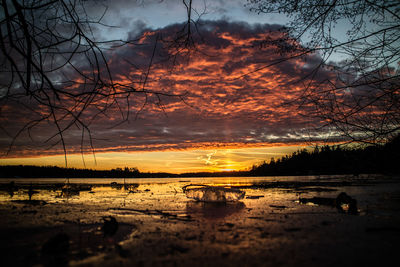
(25, 171)
(335, 160)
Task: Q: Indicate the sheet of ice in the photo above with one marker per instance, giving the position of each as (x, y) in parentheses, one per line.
(213, 193)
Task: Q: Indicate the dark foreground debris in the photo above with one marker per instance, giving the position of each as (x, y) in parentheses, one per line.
(343, 202)
(55, 252)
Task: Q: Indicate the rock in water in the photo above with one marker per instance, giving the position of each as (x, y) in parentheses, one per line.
(344, 200)
(213, 193)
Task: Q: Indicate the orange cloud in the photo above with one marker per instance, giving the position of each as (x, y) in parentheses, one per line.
(229, 98)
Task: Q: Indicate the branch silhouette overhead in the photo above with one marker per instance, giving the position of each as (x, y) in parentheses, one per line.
(358, 42)
(55, 70)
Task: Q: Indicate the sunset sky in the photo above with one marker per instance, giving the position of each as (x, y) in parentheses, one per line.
(230, 110)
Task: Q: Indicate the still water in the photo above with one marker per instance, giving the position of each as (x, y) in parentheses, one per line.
(167, 193)
(114, 191)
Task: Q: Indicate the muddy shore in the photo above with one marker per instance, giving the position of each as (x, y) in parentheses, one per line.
(278, 223)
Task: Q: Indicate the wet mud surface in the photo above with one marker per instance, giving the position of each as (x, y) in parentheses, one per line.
(301, 221)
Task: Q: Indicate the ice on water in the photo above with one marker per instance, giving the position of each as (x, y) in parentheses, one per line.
(214, 194)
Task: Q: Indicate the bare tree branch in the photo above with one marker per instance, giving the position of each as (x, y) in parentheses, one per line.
(360, 94)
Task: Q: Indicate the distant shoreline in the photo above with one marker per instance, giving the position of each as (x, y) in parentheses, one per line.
(28, 171)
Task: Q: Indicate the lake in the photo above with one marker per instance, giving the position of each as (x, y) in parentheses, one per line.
(295, 220)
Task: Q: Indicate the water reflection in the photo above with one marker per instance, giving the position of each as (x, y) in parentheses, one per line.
(31, 192)
(156, 218)
(10, 188)
(130, 187)
(213, 210)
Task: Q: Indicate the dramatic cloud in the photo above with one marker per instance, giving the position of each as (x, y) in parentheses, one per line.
(227, 94)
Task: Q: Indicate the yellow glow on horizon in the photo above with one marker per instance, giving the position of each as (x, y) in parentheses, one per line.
(214, 160)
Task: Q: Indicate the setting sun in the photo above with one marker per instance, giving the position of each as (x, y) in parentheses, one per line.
(214, 160)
